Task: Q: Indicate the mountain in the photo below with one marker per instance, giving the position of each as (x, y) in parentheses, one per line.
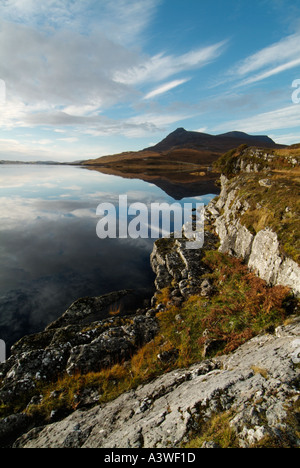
(204, 141)
(186, 147)
(244, 136)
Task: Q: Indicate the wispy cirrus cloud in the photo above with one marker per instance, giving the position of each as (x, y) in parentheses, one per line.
(165, 88)
(269, 61)
(162, 66)
(282, 118)
(272, 72)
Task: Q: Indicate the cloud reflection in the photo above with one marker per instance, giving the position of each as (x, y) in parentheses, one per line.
(49, 252)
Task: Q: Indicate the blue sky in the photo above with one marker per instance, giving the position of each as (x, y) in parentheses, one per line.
(85, 78)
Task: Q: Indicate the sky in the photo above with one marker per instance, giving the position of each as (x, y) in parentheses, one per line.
(80, 79)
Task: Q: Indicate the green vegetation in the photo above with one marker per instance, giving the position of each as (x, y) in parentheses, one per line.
(273, 196)
(216, 430)
(241, 307)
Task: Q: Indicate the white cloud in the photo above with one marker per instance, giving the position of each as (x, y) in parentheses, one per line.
(273, 71)
(201, 130)
(161, 66)
(69, 139)
(165, 87)
(83, 110)
(270, 61)
(286, 117)
(125, 20)
(64, 78)
(141, 125)
(121, 20)
(283, 50)
(287, 139)
(61, 69)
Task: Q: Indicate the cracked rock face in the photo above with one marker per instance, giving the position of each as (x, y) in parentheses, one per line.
(261, 251)
(258, 383)
(174, 264)
(73, 344)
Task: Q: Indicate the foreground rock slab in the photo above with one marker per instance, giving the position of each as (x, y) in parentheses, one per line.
(259, 384)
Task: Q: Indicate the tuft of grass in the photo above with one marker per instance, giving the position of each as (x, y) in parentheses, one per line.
(115, 311)
(216, 430)
(261, 371)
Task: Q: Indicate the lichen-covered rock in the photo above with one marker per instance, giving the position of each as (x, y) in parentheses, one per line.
(73, 344)
(179, 267)
(117, 344)
(261, 251)
(91, 309)
(258, 384)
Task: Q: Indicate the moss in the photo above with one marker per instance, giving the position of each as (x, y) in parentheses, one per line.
(216, 430)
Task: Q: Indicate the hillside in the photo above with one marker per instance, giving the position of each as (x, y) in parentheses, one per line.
(181, 164)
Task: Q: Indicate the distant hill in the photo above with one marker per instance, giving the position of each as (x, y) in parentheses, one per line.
(38, 163)
(217, 143)
(185, 147)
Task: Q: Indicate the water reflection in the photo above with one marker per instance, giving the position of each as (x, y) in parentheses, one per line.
(49, 252)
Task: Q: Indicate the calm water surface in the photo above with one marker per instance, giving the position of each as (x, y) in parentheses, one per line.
(50, 254)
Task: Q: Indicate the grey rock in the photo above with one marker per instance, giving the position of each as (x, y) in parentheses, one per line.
(180, 268)
(261, 251)
(91, 309)
(163, 412)
(71, 348)
(265, 183)
(12, 427)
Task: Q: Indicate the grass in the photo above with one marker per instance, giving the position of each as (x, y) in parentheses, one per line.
(216, 430)
(276, 207)
(68, 392)
(241, 307)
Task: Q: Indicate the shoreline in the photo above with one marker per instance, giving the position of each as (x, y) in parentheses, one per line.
(212, 317)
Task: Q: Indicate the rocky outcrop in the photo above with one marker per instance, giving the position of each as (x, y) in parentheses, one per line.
(257, 385)
(179, 267)
(74, 343)
(261, 251)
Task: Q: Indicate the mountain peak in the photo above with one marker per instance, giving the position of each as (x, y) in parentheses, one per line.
(179, 131)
